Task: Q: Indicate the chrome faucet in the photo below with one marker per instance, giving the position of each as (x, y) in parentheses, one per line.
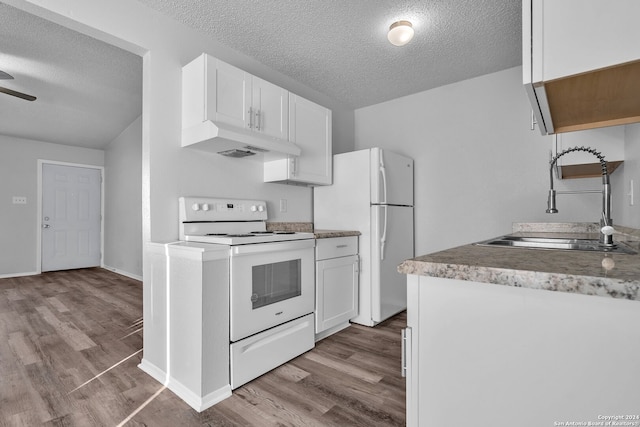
(606, 229)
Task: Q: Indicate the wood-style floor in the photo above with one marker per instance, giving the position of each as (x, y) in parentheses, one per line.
(70, 343)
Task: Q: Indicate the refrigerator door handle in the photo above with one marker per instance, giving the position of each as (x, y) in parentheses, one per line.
(383, 172)
(383, 239)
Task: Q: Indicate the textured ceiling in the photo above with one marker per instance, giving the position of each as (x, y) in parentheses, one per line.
(88, 91)
(339, 47)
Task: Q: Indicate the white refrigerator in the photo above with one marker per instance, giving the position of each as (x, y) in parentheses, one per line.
(372, 192)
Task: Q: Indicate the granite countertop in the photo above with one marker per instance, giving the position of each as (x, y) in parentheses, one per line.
(307, 227)
(589, 273)
(326, 234)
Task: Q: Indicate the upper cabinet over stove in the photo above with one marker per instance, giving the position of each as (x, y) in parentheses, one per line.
(581, 63)
(228, 111)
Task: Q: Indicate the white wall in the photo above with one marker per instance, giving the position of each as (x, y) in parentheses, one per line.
(123, 202)
(18, 177)
(630, 215)
(478, 166)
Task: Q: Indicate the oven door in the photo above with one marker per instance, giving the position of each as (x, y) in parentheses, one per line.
(271, 283)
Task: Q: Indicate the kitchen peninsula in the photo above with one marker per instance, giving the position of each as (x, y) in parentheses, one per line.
(511, 336)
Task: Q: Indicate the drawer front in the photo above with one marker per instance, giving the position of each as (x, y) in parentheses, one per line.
(336, 247)
(260, 353)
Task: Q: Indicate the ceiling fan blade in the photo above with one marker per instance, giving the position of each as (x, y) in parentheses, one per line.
(5, 76)
(17, 94)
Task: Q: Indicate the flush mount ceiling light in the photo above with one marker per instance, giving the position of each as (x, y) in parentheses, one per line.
(400, 33)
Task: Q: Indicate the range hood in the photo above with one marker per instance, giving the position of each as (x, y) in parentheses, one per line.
(232, 141)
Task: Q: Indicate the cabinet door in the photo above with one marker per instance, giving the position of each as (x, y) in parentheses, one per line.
(228, 94)
(270, 107)
(336, 291)
(310, 129)
(580, 36)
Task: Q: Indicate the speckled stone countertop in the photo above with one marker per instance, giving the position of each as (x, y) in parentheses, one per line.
(326, 234)
(554, 270)
(307, 227)
(300, 227)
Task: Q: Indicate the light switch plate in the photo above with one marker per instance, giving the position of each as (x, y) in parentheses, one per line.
(19, 200)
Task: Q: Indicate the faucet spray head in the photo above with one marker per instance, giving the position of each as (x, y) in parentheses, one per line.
(551, 202)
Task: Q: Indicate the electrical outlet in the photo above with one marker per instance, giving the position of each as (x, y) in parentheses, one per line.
(283, 205)
(19, 200)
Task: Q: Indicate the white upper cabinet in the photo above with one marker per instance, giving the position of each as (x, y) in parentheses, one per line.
(229, 111)
(270, 109)
(581, 62)
(243, 100)
(228, 94)
(309, 129)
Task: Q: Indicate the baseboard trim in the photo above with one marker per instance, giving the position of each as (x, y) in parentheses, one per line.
(199, 403)
(8, 276)
(153, 371)
(123, 273)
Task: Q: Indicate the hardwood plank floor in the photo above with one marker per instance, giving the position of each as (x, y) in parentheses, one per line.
(70, 343)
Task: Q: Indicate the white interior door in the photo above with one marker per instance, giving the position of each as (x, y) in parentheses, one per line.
(71, 217)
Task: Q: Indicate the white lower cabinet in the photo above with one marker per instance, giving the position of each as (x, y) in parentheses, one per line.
(479, 354)
(337, 268)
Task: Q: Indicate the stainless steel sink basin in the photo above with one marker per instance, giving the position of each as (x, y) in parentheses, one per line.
(556, 243)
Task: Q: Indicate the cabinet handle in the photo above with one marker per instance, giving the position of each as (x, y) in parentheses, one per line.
(250, 118)
(406, 346)
(534, 122)
(258, 119)
(341, 246)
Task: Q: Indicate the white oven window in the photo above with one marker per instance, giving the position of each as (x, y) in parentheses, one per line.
(275, 282)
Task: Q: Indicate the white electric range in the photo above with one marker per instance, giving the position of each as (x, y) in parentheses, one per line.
(271, 281)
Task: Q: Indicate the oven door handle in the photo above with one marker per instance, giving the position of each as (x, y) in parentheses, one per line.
(290, 245)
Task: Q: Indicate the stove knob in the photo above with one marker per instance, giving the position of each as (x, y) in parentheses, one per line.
(205, 206)
(195, 207)
(254, 208)
(260, 208)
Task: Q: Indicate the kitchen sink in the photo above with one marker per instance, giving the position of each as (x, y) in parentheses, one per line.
(556, 243)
